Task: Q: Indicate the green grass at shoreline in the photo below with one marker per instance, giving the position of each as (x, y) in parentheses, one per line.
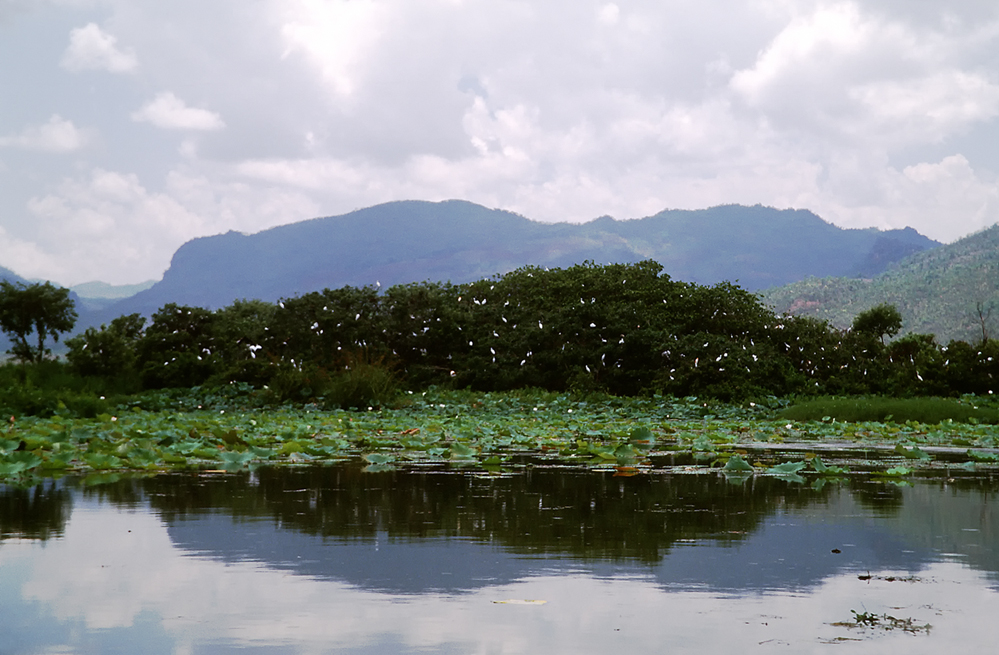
(929, 411)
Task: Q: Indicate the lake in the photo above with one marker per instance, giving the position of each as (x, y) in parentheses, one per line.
(545, 559)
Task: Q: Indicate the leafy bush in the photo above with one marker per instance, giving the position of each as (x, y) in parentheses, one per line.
(108, 352)
(47, 389)
(359, 382)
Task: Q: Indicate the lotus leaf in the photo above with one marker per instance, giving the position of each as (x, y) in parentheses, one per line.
(235, 460)
(736, 463)
(980, 456)
(911, 453)
(461, 451)
(787, 468)
(822, 469)
(9, 445)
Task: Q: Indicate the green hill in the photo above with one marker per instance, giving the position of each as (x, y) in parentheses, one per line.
(937, 291)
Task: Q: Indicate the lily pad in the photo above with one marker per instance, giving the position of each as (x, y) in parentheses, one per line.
(737, 463)
(787, 468)
(379, 458)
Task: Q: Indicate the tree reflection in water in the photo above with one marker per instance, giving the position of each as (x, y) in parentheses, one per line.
(541, 511)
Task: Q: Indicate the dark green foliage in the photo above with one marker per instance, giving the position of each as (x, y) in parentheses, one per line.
(320, 327)
(916, 366)
(48, 388)
(240, 333)
(359, 382)
(420, 327)
(177, 349)
(108, 352)
(623, 329)
(971, 369)
(922, 410)
(37, 311)
(881, 321)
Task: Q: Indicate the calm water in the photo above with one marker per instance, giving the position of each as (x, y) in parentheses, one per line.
(336, 560)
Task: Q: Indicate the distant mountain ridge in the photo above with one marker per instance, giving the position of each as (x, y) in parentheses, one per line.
(459, 241)
(937, 292)
(104, 291)
(11, 276)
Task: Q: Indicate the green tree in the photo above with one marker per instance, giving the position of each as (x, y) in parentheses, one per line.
(880, 321)
(109, 351)
(42, 310)
(240, 332)
(178, 348)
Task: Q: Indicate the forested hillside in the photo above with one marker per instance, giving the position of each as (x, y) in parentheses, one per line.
(951, 292)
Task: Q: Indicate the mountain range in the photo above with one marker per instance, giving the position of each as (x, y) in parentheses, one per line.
(457, 241)
(799, 262)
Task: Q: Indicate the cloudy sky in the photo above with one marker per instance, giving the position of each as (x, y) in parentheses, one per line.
(128, 127)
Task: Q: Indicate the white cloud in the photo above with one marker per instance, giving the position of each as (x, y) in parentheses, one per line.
(56, 135)
(944, 200)
(111, 214)
(558, 110)
(840, 71)
(336, 35)
(313, 174)
(169, 112)
(27, 258)
(108, 225)
(817, 41)
(92, 48)
(937, 104)
(609, 14)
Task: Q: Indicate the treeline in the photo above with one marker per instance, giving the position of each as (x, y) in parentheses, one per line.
(623, 329)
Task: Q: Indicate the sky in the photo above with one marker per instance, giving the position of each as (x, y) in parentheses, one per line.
(128, 127)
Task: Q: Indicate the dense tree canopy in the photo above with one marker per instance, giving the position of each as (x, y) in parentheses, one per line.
(619, 328)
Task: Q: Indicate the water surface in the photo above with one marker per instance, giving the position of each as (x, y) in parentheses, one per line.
(332, 559)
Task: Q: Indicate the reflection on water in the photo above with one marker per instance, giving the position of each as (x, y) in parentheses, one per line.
(334, 559)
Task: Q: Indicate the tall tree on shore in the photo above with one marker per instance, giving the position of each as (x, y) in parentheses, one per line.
(34, 310)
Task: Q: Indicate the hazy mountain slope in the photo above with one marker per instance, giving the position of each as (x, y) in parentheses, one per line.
(11, 276)
(758, 246)
(413, 241)
(936, 291)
